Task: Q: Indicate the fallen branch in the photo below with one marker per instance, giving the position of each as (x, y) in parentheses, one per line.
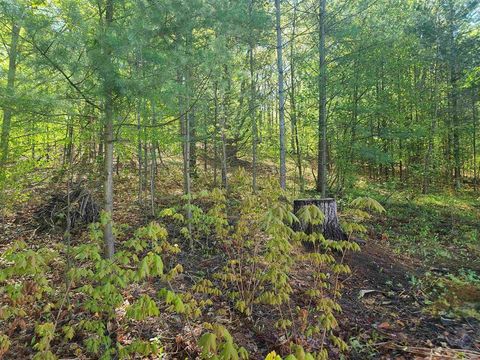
(435, 353)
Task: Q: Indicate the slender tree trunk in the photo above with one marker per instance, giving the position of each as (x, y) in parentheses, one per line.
(186, 157)
(108, 229)
(192, 137)
(145, 164)
(354, 109)
(281, 98)
(433, 125)
(253, 113)
(153, 168)
(185, 128)
(474, 141)
(223, 125)
(139, 153)
(109, 117)
(322, 118)
(32, 144)
(293, 103)
(205, 154)
(68, 147)
(454, 98)
(192, 126)
(100, 152)
(10, 91)
(215, 137)
(224, 150)
(456, 136)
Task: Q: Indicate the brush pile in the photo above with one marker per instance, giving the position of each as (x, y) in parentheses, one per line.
(73, 209)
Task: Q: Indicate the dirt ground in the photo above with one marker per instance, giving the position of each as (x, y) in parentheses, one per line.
(382, 308)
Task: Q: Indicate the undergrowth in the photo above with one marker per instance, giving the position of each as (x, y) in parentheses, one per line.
(69, 300)
(439, 229)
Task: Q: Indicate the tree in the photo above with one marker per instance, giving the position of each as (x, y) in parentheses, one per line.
(281, 97)
(10, 91)
(322, 105)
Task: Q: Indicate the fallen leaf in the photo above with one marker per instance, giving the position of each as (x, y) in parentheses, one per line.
(384, 326)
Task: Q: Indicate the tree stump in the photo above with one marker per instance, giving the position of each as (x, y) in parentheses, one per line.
(330, 228)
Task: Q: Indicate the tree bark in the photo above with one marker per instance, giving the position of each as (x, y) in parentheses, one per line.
(7, 111)
(253, 114)
(192, 137)
(109, 115)
(330, 228)
(153, 167)
(474, 142)
(433, 125)
(185, 128)
(139, 153)
(454, 97)
(322, 118)
(281, 98)
(293, 103)
(225, 106)
(215, 136)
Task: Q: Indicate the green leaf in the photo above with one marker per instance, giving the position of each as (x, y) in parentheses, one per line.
(208, 344)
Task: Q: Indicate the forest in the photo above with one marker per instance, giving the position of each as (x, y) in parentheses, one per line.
(239, 179)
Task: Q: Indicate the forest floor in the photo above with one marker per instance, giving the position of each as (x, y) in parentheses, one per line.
(415, 286)
(414, 291)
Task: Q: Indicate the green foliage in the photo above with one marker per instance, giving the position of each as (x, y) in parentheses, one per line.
(143, 308)
(4, 344)
(451, 295)
(310, 214)
(359, 212)
(98, 283)
(367, 203)
(298, 354)
(260, 270)
(327, 271)
(205, 225)
(219, 344)
(140, 348)
(25, 286)
(44, 334)
(175, 301)
(435, 228)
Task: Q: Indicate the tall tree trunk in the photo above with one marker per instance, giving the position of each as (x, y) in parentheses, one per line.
(281, 98)
(68, 155)
(215, 146)
(145, 163)
(355, 99)
(192, 137)
(253, 113)
(225, 106)
(454, 97)
(185, 126)
(109, 117)
(10, 90)
(322, 118)
(293, 103)
(433, 124)
(474, 142)
(153, 168)
(139, 153)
